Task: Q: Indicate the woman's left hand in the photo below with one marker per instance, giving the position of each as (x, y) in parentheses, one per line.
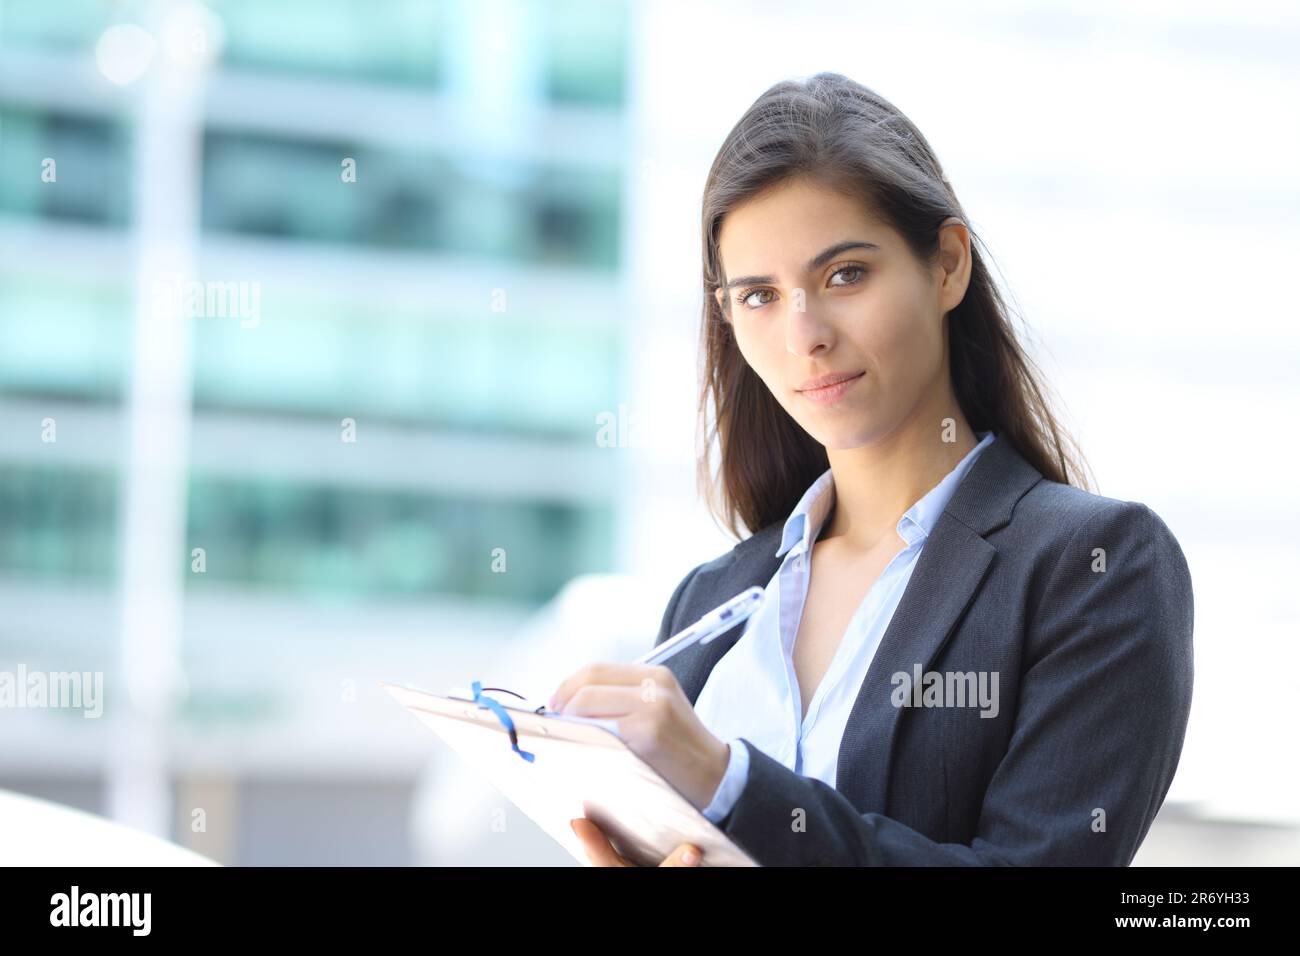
(602, 853)
(654, 718)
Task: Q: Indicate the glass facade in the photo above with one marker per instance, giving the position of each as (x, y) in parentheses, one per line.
(440, 364)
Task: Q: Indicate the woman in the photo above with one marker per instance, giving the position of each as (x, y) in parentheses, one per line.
(963, 658)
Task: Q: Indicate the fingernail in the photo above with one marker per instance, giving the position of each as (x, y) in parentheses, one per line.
(690, 857)
(550, 704)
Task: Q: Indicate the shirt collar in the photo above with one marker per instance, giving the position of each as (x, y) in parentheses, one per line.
(805, 522)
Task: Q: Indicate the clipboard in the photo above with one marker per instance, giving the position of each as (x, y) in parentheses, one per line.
(580, 767)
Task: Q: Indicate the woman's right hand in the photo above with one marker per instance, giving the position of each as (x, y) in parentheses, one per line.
(602, 853)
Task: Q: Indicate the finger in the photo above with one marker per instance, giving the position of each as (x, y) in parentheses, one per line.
(685, 855)
(602, 700)
(612, 674)
(649, 678)
(597, 846)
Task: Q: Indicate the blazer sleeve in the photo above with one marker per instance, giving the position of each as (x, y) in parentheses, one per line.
(1104, 699)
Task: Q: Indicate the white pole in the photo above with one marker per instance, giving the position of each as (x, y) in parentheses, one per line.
(166, 188)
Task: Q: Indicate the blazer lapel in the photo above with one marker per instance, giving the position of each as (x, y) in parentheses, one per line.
(953, 563)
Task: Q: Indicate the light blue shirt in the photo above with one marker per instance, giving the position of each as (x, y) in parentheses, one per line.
(753, 690)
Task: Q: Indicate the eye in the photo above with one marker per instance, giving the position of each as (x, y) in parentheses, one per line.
(855, 269)
(742, 298)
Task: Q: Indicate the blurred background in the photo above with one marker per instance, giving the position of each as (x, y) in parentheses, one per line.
(429, 417)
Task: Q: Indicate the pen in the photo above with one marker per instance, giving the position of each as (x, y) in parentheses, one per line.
(711, 625)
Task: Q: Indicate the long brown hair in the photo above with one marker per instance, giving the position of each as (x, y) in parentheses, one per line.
(839, 133)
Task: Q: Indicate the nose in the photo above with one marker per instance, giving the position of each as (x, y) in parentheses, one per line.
(806, 333)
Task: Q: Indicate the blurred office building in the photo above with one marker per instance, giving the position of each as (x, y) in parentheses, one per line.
(391, 231)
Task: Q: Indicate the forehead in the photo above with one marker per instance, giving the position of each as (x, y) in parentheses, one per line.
(786, 225)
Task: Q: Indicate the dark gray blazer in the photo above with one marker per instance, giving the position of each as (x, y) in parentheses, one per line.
(1094, 682)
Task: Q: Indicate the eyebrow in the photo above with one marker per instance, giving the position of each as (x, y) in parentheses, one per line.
(816, 262)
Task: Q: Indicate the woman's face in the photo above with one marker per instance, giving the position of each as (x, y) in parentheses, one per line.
(821, 287)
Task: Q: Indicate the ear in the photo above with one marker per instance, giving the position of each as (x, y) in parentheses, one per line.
(955, 261)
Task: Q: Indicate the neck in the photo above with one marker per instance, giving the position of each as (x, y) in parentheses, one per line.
(877, 482)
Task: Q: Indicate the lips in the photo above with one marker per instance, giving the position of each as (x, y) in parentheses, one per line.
(826, 380)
